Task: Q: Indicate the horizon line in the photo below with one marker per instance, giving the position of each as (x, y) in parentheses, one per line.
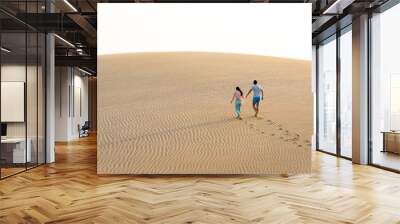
(144, 52)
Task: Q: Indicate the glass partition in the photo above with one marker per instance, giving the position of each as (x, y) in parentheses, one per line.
(22, 78)
(31, 88)
(327, 96)
(346, 93)
(385, 89)
(13, 94)
(41, 96)
(31, 97)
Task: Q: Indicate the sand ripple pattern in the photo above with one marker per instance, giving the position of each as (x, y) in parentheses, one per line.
(169, 113)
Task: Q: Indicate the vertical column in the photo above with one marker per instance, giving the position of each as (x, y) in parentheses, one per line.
(360, 89)
(317, 75)
(50, 99)
(50, 92)
(92, 100)
(314, 91)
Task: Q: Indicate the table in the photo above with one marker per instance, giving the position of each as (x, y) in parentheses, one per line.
(391, 141)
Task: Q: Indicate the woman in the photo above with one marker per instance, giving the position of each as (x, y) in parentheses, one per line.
(237, 97)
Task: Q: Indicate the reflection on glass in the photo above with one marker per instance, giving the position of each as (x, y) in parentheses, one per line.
(14, 153)
(22, 91)
(386, 89)
(41, 98)
(31, 100)
(346, 94)
(327, 96)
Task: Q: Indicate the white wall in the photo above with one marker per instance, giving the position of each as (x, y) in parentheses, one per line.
(69, 82)
(80, 84)
(62, 82)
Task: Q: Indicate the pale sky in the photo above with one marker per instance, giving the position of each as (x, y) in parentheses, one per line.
(281, 30)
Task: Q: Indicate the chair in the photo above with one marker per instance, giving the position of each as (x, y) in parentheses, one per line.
(84, 130)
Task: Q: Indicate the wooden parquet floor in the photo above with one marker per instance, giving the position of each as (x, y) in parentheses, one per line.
(69, 191)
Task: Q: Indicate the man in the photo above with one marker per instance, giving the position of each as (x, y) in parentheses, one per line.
(258, 95)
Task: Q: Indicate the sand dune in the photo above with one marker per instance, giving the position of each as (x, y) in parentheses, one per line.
(169, 113)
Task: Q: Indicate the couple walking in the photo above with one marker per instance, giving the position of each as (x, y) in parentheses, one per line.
(258, 95)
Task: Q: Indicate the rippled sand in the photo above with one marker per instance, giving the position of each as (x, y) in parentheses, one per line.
(170, 113)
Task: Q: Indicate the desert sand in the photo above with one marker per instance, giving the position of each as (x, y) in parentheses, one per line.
(170, 113)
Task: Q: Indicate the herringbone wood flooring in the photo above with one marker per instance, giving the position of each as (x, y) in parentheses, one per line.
(69, 191)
